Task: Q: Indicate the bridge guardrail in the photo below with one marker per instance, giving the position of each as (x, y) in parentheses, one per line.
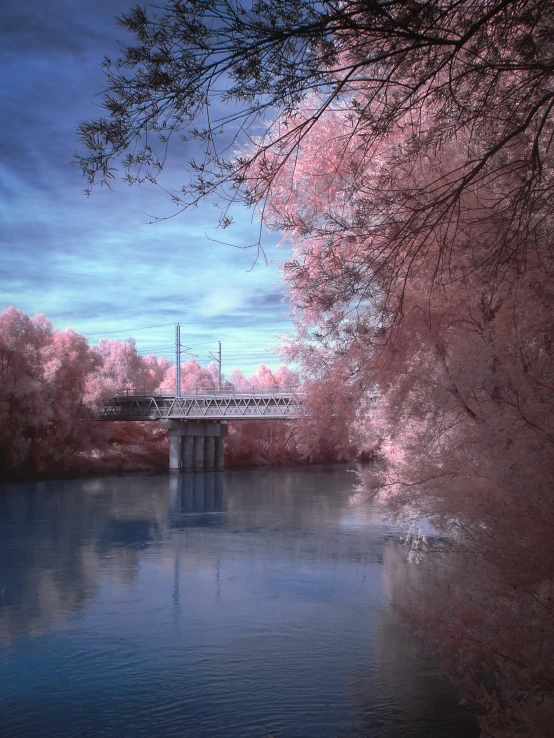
(206, 391)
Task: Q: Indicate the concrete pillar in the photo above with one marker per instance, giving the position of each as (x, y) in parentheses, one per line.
(187, 453)
(198, 453)
(208, 453)
(219, 453)
(174, 452)
(195, 445)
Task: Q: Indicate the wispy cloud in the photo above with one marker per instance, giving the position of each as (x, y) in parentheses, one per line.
(96, 264)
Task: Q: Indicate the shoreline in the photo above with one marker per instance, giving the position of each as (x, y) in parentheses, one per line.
(53, 476)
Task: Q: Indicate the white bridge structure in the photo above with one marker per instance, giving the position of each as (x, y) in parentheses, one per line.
(203, 404)
(194, 420)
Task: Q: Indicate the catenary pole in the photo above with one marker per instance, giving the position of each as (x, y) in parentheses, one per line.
(178, 360)
(218, 360)
(219, 373)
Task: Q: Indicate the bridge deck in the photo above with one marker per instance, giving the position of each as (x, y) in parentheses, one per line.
(202, 405)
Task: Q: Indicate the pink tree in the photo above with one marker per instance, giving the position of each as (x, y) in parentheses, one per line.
(122, 367)
(239, 381)
(286, 378)
(453, 331)
(253, 443)
(43, 373)
(52, 379)
(416, 187)
(193, 376)
(127, 445)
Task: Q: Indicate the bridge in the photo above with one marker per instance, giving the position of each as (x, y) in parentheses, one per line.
(194, 419)
(202, 404)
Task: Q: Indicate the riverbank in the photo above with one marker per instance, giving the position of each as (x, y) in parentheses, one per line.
(157, 470)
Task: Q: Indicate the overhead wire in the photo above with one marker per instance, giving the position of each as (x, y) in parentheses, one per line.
(248, 350)
(195, 324)
(124, 330)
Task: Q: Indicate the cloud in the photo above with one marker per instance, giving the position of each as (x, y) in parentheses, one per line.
(96, 264)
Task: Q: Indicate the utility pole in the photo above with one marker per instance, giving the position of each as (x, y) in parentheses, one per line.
(218, 360)
(178, 360)
(219, 374)
(179, 349)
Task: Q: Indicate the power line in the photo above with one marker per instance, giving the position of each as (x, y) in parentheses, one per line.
(124, 330)
(244, 342)
(239, 322)
(204, 352)
(237, 346)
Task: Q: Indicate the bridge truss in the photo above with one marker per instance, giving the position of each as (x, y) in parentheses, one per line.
(201, 404)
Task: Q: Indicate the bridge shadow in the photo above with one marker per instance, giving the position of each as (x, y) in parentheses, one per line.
(201, 492)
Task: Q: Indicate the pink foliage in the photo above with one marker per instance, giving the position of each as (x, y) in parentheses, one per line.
(127, 445)
(252, 443)
(193, 376)
(52, 379)
(239, 381)
(255, 443)
(454, 331)
(43, 376)
(122, 367)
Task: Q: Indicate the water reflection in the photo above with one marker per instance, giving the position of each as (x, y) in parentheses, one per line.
(203, 605)
(197, 493)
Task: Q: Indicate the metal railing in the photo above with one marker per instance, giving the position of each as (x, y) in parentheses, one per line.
(208, 392)
(205, 403)
(202, 404)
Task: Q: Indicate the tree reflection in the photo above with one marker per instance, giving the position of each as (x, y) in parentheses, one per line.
(59, 538)
(403, 674)
(245, 590)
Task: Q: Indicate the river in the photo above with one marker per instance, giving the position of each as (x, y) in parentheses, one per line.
(234, 604)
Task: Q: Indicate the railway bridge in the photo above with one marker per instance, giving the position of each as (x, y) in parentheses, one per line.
(196, 421)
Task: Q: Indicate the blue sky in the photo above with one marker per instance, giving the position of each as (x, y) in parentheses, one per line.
(96, 264)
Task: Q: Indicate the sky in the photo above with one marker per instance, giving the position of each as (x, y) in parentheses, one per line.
(96, 264)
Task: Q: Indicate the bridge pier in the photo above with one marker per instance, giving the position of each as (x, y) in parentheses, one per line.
(174, 453)
(187, 453)
(195, 445)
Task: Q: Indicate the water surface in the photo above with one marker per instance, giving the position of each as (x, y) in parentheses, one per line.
(230, 604)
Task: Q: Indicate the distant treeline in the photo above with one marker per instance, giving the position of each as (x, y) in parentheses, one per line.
(51, 381)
